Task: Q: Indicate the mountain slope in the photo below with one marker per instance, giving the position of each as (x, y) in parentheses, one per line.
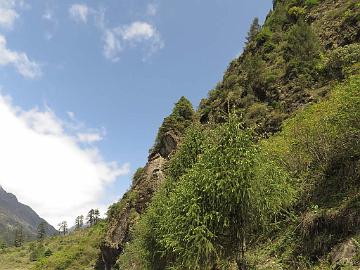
(14, 214)
(303, 50)
(76, 251)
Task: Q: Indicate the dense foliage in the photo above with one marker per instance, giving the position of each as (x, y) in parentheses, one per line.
(225, 192)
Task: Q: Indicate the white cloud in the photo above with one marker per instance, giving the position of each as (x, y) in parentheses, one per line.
(112, 46)
(135, 34)
(19, 60)
(79, 12)
(151, 9)
(7, 18)
(115, 40)
(45, 166)
(137, 31)
(89, 137)
(8, 13)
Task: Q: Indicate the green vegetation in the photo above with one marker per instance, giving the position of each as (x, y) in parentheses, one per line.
(78, 250)
(276, 189)
(229, 189)
(265, 174)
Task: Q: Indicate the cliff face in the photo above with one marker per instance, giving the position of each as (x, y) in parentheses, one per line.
(14, 214)
(135, 201)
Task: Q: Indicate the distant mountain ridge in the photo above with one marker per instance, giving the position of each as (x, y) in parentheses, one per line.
(14, 214)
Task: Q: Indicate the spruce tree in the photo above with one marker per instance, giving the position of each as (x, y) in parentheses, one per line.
(19, 236)
(96, 215)
(41, 231)
(63, 227)
(91, 217)
(79, 222)
(254, 30)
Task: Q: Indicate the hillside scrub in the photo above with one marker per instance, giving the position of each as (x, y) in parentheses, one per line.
(282, 186)
(229, 195)
(234, 190)
(77, 250)
(320, 147)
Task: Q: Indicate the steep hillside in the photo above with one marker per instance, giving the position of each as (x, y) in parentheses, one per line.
(124, 214)
(293, 59)
(15, 215)
(297, 143)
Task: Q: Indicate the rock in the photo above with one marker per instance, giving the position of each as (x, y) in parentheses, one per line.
(168, 144)
(343, 253)
(118, 233)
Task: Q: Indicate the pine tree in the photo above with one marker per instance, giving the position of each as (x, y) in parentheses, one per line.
(254, 30)
(63, 228)
(19, 236)
(91, 217)
(96, 215)
(79, 222)
(41, 231)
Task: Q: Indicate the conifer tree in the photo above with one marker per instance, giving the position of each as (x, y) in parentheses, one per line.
(96, 215)
(254, 30)
(79, 222)
(41, 231)
(19, 236)
(63, 227)
(91, 217)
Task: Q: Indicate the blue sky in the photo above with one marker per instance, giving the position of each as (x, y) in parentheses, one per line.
(100, 76)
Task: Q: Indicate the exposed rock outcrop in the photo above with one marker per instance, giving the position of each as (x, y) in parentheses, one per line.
(135, 202)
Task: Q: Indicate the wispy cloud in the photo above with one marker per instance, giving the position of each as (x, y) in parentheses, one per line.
(112, 46)
(140, 34)
(89, 137)
(26, 67)
(47, 165)
(135, 34)
(8, 13)
(79, 12)
(51, 22)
